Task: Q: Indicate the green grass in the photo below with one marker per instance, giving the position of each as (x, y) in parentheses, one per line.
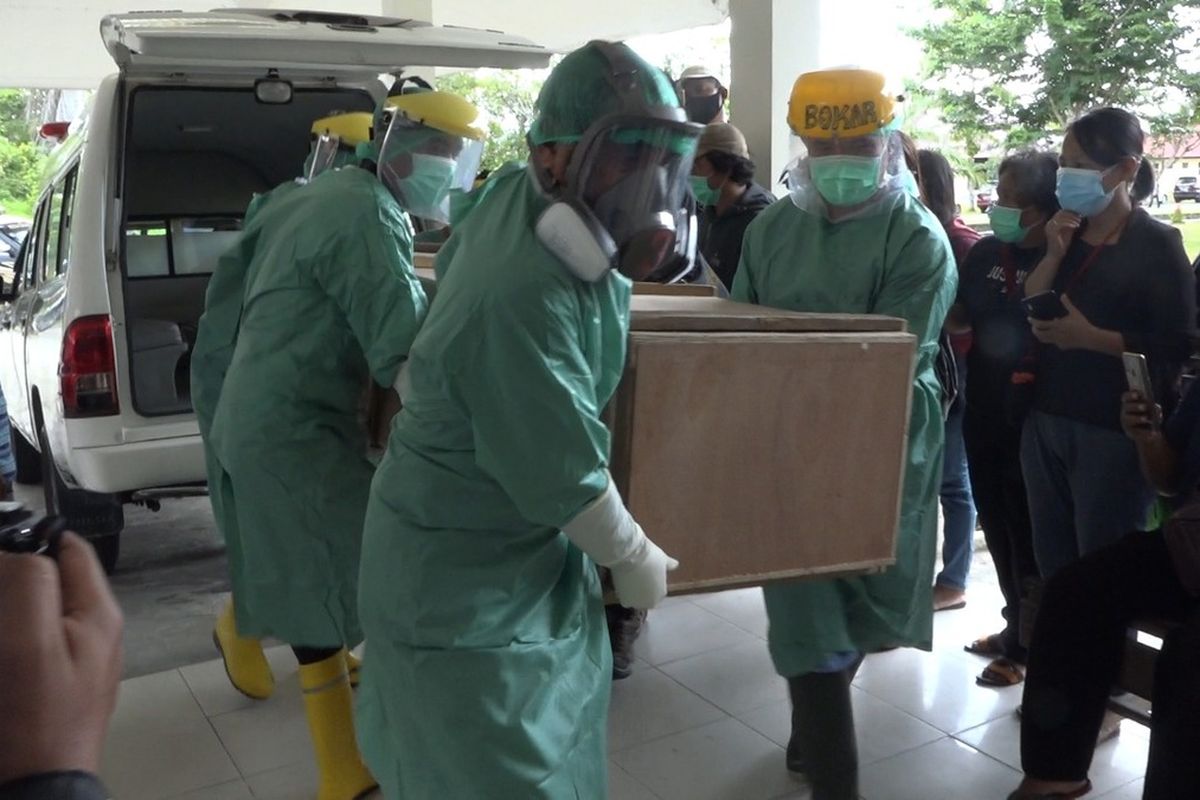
(17, 208)
(1191, 238)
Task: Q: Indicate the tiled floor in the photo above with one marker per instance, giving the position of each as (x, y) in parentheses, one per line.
(703, 718)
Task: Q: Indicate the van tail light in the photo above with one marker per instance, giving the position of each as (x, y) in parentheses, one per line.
(88, 371)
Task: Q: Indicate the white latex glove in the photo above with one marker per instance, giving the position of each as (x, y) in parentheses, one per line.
(641, 580)
(607, 532)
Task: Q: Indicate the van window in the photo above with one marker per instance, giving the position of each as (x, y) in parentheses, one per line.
(68, 217)
(147, 254)
(58, 240)
(197, 244)
(35, 245)
(183, 246)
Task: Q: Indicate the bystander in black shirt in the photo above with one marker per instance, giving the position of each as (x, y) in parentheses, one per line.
(1143, 287)
(721, 235)
(990, 287)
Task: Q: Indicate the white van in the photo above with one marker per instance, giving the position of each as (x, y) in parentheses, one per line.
(141, 199)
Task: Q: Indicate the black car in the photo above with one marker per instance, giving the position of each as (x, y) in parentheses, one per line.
(12, 233)
(1187, 188)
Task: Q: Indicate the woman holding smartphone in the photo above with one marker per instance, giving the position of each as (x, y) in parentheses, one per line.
(1125, 285)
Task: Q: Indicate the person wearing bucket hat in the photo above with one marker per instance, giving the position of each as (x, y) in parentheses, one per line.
(489, 672)
(854, 239)
(728, 198)
(703, 95)
(317, 294)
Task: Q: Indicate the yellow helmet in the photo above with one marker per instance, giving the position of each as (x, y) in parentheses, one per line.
(441, 111)
(840, 104)
(351, 129)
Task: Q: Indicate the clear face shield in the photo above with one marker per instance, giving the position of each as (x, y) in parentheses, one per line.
(326, 154)
(420, 165)
(631, 173)
(844, 178)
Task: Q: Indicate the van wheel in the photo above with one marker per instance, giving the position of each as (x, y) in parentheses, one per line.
(108, 550)
(29, 460)
(97, 517)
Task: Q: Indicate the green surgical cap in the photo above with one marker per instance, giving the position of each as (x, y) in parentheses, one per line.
(578, 92)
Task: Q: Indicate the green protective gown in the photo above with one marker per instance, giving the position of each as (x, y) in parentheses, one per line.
(215, 341)
(488, 667)
(328, 298)
(895, 261)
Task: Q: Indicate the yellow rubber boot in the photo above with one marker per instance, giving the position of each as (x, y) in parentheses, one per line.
(353, 666)
(245, 663)
(329, 706)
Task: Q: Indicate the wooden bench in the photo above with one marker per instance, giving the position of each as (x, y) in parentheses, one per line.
(1137, 672)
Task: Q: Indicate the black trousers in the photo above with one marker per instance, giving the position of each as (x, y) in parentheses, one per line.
(1075, 657)
(314, 655)
(994, 458)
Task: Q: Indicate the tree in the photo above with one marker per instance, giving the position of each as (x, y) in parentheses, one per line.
(21, 158)
(1028, 67)
(507, 98)
(13, 124)
(924, 124)
(1175, 135)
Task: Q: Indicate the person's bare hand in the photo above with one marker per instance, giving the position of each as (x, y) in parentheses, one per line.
(1140, 419)
(1060, 232)
(1072, 332)
(60, 661)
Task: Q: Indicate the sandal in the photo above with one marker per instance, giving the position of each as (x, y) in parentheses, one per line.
(1080, 792)
(948, 599)
(991, 646)
(1000, 673)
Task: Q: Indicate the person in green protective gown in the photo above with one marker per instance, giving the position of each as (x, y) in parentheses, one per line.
(317, 297)
(850, 239)
(334, 143)
(488, 668)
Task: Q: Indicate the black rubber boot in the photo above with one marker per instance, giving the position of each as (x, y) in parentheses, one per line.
(624, 627)
(822, 745)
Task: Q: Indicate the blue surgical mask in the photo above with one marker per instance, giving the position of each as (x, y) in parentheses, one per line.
(1082, 191)
(846, 180)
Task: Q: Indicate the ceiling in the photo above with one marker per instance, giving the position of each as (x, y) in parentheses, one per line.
(59, 43)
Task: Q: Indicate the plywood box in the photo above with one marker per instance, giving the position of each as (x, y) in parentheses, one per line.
(757, 445)
(675, 289)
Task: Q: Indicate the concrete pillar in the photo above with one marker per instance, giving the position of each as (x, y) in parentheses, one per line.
(771, 42)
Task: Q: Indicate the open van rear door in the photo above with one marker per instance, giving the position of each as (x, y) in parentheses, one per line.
(303, 42)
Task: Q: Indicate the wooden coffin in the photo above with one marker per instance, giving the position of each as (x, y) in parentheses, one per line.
(757, 445)
(675, 289)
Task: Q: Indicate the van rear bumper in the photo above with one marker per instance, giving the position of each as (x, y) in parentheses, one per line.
(137, 465)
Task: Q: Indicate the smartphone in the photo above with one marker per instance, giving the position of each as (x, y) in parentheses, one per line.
(20, 534)
(1044, 305)
(1137, 374)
